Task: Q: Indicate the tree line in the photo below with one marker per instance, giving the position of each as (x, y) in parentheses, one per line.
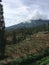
(21, 33)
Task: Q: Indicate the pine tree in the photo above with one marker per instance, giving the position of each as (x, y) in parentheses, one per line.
(14, 37)
(48, 27)
(2, 33)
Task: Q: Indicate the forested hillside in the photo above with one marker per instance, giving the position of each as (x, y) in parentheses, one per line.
(27, 46)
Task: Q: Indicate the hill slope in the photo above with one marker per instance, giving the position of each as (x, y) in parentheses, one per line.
(33, 23)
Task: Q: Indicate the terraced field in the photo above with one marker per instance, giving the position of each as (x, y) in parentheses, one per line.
(37, 43)
(18, 53)
(31, 60)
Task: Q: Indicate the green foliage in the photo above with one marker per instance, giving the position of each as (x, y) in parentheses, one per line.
(35, 59)
(48, 26)
(2, 43)
(26, 60)
(22, 33)
(43, 61)
(14, 37)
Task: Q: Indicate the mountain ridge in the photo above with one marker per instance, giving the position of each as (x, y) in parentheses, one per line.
(32, 23)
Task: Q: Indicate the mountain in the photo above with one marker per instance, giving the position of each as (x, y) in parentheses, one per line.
(32, 23)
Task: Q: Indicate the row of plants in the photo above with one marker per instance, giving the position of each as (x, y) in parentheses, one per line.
(32, 59)
(43, 61)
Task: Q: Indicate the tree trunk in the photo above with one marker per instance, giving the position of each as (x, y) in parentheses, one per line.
(2, 33)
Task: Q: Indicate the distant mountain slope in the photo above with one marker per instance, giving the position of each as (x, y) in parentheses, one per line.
(32, 23)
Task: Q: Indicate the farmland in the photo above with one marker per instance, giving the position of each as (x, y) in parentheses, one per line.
(35, 44)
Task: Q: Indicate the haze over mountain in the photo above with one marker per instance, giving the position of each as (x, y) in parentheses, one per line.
(17, 11)
(31, 23)
(36, 15)
(34, 19)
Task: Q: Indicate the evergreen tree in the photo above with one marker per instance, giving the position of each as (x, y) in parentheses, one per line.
(2, 33)
(48, 27)
(14, 37)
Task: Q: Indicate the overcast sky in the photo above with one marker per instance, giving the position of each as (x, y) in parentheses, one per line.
(16, 11)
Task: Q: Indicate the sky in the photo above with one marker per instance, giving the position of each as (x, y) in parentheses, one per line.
(17, 11)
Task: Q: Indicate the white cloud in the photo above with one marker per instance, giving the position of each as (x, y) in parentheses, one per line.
(16, 11)
(36, 14)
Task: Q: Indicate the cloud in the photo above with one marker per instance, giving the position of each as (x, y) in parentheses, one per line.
(36, 14)
(16, 11)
